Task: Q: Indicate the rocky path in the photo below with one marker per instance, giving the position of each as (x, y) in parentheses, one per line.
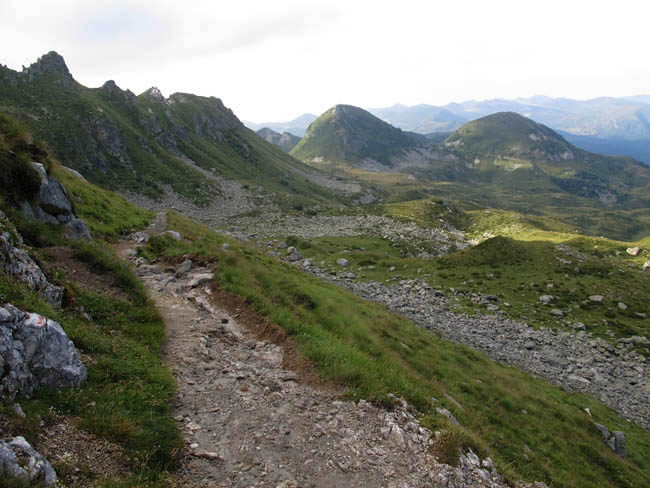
(248, 421)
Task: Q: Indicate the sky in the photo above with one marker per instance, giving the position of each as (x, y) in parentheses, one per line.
(272, 61)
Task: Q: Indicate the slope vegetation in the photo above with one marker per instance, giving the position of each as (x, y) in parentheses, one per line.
(347, 134)
(145, 143)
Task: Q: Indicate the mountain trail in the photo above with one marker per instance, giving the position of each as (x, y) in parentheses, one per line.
(249, 420)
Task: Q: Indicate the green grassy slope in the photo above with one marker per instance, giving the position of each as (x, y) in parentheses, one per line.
(348, 134)
(129, 392)
(121, 141)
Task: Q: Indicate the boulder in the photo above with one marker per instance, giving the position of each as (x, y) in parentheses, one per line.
(77, 229)
(17, 263)
(294, 256)
(75, 173)
(199, 279)
(183, 268)
(18, 460)
(53, 198)
(174, 235)
(34, 352)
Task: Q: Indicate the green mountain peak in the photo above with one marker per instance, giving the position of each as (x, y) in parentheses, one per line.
(509, 134)
(351, 135)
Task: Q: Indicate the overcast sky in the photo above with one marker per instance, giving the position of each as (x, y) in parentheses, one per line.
(273, 60)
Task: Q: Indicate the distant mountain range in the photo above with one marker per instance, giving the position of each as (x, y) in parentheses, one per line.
(297, 126)
(504, 158)
(605, 125)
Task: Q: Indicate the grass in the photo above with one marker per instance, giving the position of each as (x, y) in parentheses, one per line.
(128, 395)
(373, 352)
(108, 215)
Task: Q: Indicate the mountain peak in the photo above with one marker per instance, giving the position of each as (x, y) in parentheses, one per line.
(511, 134)
(50, 63)
(351, 135)
(155, 94)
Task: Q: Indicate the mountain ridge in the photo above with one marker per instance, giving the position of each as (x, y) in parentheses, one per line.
(146, 143)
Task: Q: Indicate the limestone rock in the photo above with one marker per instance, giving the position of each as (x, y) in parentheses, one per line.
(18, 460)
(77, 229)
(546, 299)
(53, 198)
(35, 351)
(17, 263)
(174, 235)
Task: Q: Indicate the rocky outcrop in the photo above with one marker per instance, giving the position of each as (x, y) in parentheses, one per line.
(53, 206)
(35, 352)
(19, 461)
(17, 263)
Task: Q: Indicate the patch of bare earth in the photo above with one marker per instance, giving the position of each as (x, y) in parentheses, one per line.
(64, 259)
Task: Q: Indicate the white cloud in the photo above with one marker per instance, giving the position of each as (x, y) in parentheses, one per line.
(275, 60)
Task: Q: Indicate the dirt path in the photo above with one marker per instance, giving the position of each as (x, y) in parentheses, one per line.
(247, 421)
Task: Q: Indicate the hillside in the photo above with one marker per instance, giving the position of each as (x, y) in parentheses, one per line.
(148, 142)
(606, 125)
(347, 134)
(284, 141)
(510, 134)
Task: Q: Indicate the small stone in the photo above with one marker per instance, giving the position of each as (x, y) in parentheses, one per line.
(556, 312)
(633, 251)
(225, 246)
(546, 299)
(344, 263)
(174, 235)
(596, 298)
(622, 306)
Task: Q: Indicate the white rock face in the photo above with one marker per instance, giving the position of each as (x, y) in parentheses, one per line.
(17, 263)
(35, 351)
(18, 460)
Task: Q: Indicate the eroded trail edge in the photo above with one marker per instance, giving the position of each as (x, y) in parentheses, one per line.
(248, 421)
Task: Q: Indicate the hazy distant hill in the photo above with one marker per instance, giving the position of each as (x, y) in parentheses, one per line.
(297, 126)
(285, 141)
(347, 134)
(623, 122)
(144, 142)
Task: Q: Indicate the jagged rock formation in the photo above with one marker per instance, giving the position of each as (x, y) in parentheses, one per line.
(54, 206)
(144, 143)
(285, 141)
(35, 352)
(19, 461)
(17, 263)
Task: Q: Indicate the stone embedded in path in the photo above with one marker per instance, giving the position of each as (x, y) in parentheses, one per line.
(200, 279)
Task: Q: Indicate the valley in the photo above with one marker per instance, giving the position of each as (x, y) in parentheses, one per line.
(367, 307)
